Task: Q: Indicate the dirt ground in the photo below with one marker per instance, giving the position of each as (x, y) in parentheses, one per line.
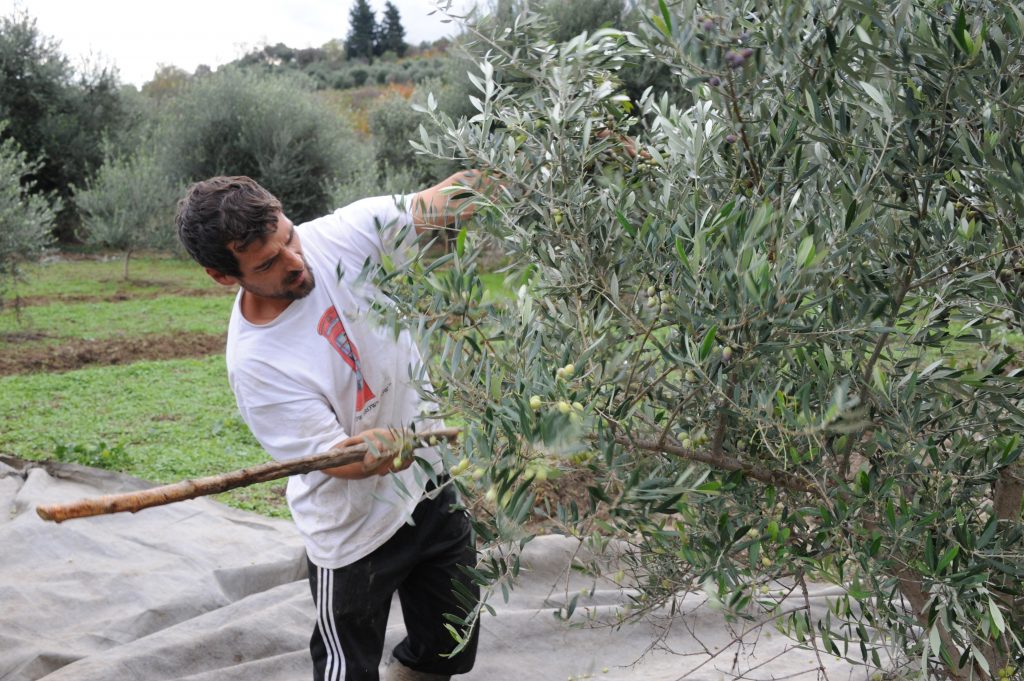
(30, 301)
(33, 357)
(26, 352)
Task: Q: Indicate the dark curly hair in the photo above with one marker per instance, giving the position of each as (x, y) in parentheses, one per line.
(221, 211)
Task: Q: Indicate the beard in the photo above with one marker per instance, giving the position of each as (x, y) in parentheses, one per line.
(304, 289)
(288, 290)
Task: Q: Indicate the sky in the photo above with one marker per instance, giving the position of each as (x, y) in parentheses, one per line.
(137, 36)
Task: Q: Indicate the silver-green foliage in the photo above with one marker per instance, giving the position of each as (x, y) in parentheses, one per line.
(394, 123)
(787, 311)
(26, 219)
(129, 205)
(273, 128)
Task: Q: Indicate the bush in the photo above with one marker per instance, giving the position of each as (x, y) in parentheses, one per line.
(775, 330)
(393, 124)
(271, 128)
(130, 205)
(359, 76)
(26, 219)
(569, 18)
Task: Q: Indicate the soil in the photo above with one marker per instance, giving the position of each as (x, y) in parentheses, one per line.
(30, 301)
(33, 357)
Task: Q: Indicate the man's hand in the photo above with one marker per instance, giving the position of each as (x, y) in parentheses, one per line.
(444, 203)
(390, 452)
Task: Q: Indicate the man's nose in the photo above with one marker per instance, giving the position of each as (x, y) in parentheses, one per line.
(294, 260)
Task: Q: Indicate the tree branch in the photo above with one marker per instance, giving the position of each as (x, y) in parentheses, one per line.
(1009, 494)
(215, 484)
(911, 587)
(722, 462)
(901, 293)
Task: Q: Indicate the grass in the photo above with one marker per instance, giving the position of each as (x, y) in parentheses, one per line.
(102, 276)
(494, 286)
(133, 317)
(171, 420)
(161, 421)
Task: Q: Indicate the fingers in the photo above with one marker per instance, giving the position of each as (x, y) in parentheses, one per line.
(389, 451)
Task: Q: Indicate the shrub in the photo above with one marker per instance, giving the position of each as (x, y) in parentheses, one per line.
(271, 128)
(362, 185)
(775, 330)
(393, 124)
(359, 76)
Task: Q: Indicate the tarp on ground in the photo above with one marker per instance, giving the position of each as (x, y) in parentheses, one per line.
(199, 591)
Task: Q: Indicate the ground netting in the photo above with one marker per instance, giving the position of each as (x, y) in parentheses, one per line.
(203, 592)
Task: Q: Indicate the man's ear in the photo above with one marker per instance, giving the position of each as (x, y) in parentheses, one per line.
(221, 278)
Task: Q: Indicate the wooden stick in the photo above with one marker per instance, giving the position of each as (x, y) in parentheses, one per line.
(214, 484)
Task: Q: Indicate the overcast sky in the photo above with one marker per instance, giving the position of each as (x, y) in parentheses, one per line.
(137, 35)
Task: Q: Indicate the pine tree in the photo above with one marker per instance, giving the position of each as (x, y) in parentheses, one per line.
(391, 35)
(362, 30)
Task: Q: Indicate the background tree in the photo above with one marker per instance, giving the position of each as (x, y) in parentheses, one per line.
(362, 31)
(55, 114)
(129, 205)
(569, 18)
(391, 33)
(272, 128)
(26, 217)
(774, 332)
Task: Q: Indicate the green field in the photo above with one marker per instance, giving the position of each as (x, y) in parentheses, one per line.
(158, 420)
(102, 276)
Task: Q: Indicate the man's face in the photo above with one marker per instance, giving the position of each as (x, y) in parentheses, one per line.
(275, 267)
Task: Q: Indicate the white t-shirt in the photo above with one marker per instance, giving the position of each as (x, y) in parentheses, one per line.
(322, 371)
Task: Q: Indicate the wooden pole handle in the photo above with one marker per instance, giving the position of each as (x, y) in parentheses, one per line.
(214, 484)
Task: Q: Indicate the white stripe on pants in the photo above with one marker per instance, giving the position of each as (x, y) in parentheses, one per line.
(335, 668)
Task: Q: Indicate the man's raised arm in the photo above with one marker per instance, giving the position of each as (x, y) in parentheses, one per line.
(450, 200)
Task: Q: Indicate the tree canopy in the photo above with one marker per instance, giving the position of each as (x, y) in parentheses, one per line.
(362, 31)
(56, 115)
(391, 35)
(765, 312)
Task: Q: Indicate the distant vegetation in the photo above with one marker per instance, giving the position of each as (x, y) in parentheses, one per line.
(313, 124)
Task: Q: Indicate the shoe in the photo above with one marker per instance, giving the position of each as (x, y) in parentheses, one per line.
(396, 671)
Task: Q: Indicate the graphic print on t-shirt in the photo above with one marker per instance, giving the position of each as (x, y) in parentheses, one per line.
(331, 328)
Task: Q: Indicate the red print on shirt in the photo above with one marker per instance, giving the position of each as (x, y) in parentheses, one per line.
(331, 328)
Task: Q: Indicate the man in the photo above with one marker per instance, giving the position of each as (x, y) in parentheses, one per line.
(311, 370)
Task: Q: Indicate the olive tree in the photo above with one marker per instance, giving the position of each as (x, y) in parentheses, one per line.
(26, 218)
(129, 205)
(772, 317)
(273, 128)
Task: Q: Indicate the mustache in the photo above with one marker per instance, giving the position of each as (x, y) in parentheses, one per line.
(294, 276)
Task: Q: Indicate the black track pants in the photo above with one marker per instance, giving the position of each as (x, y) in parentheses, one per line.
(353, 601)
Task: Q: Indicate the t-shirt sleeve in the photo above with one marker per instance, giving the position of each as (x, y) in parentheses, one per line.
(288, 421)
(370, 228)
